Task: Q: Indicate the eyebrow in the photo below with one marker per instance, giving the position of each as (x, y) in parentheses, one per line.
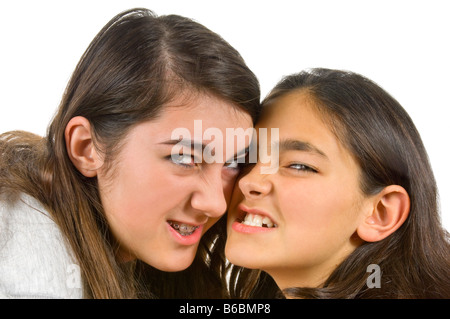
(297, 145)
(193, 145)
(185, 142)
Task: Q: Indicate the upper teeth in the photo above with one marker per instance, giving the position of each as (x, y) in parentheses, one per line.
(258, 220)
(183, 229)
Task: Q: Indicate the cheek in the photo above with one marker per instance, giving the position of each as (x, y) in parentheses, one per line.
(306, 206)
(139, 195)
(317, 228)
(320, 216)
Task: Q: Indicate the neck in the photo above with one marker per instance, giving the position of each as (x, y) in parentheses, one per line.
(304, 278)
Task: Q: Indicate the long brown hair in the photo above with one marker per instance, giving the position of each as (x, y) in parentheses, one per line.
(132, 68)
(414, 260)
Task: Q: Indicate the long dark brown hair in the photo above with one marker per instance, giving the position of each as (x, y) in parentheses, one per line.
(135, 65)
(414, 260)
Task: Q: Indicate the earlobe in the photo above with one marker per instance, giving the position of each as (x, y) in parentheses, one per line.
(389, 211)
(80, 146)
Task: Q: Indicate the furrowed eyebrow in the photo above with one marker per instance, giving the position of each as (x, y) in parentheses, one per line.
(196, 145)
(193, 145)
(297, 145)
(185, 142)
(239, 155)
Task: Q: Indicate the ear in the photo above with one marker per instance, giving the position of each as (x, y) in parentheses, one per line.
(389, 210)
(80, 146)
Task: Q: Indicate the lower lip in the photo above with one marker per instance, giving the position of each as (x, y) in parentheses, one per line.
(188, 240)
(246, 229)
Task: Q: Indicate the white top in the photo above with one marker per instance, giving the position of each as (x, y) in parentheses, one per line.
(35, 261)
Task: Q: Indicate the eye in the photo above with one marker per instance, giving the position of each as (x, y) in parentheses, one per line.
(238, 162)
(186, 160)
(302, 168)
(234, 164)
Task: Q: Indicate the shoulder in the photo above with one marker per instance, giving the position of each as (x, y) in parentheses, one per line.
(35, 261)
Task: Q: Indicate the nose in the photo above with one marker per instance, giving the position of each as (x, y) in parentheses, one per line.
(209, 198)
(255, 185)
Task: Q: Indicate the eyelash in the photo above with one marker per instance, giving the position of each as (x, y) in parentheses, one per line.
(173, 159)
(193, 159)
(302, 167)
(233, 162)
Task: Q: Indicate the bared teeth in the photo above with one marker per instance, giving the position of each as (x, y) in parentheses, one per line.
(258, 221)
(268, 222)
(183, 229)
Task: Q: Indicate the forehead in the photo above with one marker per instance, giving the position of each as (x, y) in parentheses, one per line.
(297, 116)
(210, 110)
(294, 113)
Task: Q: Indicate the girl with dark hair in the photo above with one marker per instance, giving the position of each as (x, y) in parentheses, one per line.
(351, 212)
(102, 207)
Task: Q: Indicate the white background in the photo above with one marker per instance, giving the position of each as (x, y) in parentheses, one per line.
(402, 45)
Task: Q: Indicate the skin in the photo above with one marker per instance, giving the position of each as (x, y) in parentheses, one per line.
(147, 187)
(314, 198)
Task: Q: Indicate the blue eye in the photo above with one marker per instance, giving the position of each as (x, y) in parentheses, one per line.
(182, 159)
(234, 164)
(302, 167)
(237, 163)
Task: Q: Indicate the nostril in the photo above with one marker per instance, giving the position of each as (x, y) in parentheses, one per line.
(255, 193)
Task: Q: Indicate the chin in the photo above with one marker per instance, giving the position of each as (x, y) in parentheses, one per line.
(173, 268)
(174, 263)
(241, 258)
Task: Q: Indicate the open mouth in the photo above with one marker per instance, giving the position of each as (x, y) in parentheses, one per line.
(257, 221)
(182, 229)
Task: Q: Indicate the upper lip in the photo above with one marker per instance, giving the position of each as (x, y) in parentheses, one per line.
(243, 209)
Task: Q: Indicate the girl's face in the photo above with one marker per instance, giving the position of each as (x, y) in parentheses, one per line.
(312, 205)
(157, 205)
